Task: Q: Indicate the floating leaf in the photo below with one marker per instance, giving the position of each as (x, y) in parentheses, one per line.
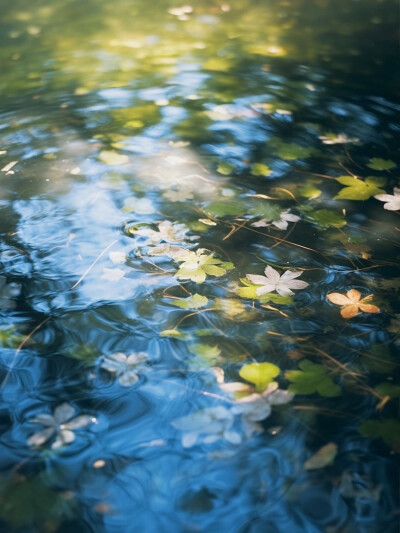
(310, 191)
(207, 353)
(260, 374)
(291, 151)
(323, 457)
(225, 168)
(310, 379)
(357, 189)
(381, 164)
(325, 218)
(388, 389)
(197, 265)
(113, 158)
(193, 302)
(260, 169)
(223, 208)
(388, 430)
(174, 333)
(352, 304)
(379, 359)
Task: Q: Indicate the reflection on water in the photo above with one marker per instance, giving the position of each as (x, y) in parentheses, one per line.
(154, 164)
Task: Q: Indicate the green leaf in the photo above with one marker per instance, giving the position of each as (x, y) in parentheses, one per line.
(310, 379)
(358, 189)
(388, 389)
(206, 352)
(265, 209)
(9, 337)
(310, 191)
(175, 333)
(381, 164)
(194, 301)
(325, 218)
(198, 275)
(225, 168)
(223, 208)
(388, 430)
(379, 359)
(260, 169)
(260, 374)
(291, 151)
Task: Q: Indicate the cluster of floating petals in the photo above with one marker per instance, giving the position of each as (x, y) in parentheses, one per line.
(207, 426)
(282, 223)
(352, 303)
(273, 281)
(60, 425)
(124, 367)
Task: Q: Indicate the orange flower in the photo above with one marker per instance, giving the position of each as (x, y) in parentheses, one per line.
(351, 303)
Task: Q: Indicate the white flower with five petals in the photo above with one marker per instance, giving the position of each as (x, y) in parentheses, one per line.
(272, 281)
(392, 200)
(61, 425)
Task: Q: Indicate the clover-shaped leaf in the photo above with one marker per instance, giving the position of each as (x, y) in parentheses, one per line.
(357, 189)
(311, 378)
(381, 164)
(260, 374)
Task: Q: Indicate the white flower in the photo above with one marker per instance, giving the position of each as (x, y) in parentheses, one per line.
(175, 252)
(124, 367)
(393, 200)
(272, 281)
(207, 426)
(61, 424)
(281, 223)
(167, 232)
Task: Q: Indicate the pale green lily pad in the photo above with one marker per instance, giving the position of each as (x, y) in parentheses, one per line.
(260, 374)
(381, 164)
(357, 189)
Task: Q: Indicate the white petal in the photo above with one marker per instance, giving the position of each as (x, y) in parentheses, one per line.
(283, 290)
(290, 217)
(63, 412)
(272, 274)
(270, 287)
(128, 378)
(39, 438)
(297, 284)
(280, 224)
(78, 422)
(258, 280)
(44, 419)
(189, 439)
(233, 437)
(263, 223)
(291, 274)
(136, 358)
(280, 397)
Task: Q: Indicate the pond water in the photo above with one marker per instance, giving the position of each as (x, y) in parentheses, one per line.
(199, 278)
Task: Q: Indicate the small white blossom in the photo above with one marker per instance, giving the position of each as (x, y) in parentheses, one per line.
(393, 200)
(61, 425)
(272, 281)
(124, 367)
(180, 195)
